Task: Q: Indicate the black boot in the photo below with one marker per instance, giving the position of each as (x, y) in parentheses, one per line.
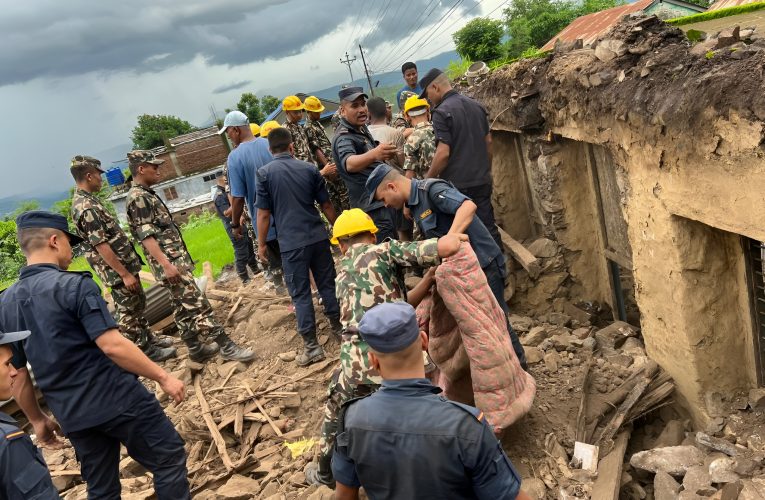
(157, 354)
(201, 352)
(312, 351)
(161, 340)
(320, 473)
(230, 351)
(337, 328)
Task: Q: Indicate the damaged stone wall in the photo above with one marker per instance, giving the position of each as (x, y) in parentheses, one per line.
(685, 134)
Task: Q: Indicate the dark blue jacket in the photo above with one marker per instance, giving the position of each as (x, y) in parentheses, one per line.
(350, 141)
(23, 472)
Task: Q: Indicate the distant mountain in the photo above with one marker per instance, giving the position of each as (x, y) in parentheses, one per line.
(46, 200)
(391, 77)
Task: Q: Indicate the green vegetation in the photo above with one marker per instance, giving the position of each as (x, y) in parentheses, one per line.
(694, 35)
(256, 109)
(456, 69)
(717, 14)
(152, 130)
(479, 40)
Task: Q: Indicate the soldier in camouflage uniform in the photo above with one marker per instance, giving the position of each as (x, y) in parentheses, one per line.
(369, 274)
(170, 261)
(400, 120)
(322, 148)
(293, 109)
(114, 260)
(421, 144)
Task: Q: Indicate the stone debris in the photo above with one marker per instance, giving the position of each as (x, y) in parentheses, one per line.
(674, 460)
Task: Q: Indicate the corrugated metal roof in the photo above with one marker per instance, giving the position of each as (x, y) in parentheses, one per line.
(722, 4)
(590, 26)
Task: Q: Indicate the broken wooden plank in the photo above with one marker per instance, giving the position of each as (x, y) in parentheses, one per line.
(249, 439)
(220, 444)
(233, 310)
(610, 430)
(609, 479)
(270, 422)
(239, 420)
(245, 465)
(207, 271)
(521, 254)
(581, 421)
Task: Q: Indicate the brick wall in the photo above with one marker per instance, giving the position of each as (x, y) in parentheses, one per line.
(193, 156)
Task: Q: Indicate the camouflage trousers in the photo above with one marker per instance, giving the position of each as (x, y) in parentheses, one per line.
(129, 308)
(338, 194)
(193, 312)
(340, 392)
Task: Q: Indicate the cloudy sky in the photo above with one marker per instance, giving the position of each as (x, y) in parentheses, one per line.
(76, 74)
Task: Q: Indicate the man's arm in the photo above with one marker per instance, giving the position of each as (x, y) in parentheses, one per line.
(463, 217)
(263, 222)
(382, 153)
(237, 207)
(329, 210)
(45, 427)
(440, 160)
(131, 282)
(130, 358)
(491, 473)
(343, 492)
(171, 272)
(449, 200)
(421, 289)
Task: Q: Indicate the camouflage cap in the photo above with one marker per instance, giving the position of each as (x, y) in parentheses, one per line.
(405, 94)
(83, 161)
(140, 156)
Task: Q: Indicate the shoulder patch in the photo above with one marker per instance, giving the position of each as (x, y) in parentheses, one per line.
(426, 213)
(14, 435)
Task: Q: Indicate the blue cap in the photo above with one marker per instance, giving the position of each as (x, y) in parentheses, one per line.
(375, 179)
(351, 94)
(234, 119)
(390, 327)
(7, 338)
(49, 220)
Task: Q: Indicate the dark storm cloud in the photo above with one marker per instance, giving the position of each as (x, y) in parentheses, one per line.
(231, 86)
(50, 38)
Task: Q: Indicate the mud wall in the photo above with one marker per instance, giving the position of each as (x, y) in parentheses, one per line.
(686, 135)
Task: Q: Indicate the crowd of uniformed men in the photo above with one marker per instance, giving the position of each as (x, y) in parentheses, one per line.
(398, 193)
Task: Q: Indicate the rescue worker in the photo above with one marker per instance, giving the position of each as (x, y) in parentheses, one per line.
(322, 149)
(250, 153)
(23, 471)
(420, 146)
(87, 371)
(170, 262)
(406, 441)
(255, 129)
(267, 127)
(439, 209)
(293, 111)
(384, 133)
(113, 258)
(400, 121)
(288, 189)
(244, 254)
(356, 154)
(409, 72)
(369, 273)
(463, 145)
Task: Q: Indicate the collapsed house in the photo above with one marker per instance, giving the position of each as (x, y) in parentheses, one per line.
(639, 167)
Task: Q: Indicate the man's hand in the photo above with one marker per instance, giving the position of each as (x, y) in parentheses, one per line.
(263, 254)
(237, 231)
(450, 244)
(385, 151)
(172, 273)
(407, 213)
(47, 431)
(329, 171)
(132, 283)
(173, 388)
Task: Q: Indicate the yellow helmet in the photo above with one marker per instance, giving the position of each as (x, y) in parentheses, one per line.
(312, 103)
(415, 102)
(255, 129)
(292, 103)
(351, 222)
(267, 127)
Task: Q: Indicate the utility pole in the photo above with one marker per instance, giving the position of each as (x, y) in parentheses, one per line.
(348, 62)
(366, 70)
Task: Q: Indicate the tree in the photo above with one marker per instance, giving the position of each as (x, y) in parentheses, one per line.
(151, 129)
(532, 23)
(11, 258)
(21, 207)
(249, 104)
(479, 40)
(268, 104)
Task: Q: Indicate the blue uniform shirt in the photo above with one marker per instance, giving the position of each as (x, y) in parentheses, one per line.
(434, 202)
(288, 188)
(350, 141)
(66, 314)
(23, 472)
(406, 441)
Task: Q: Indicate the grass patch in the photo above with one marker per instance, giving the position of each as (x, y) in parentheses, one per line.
(456, 69)
(716, 14)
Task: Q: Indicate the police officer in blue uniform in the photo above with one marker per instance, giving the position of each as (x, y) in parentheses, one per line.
(87, 371)
(23, 473)
(406, 441)
(288, 189)
(439, 208)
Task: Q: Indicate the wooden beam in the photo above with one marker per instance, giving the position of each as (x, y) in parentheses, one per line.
(609, 479)
(521, 254)
(220, 444)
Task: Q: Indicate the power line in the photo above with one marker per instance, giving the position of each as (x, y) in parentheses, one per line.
(357, 24)
(413, 48)
(393, 54)
(348, 62)
(383, 7)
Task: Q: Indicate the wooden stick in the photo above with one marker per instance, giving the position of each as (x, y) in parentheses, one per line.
(612, 427)
(207, 271)
(521, 254)
(220, 444)
(270, 422)
(609, 479)
(233, 310)
(581, 424)
(230, 373)
(239, 420)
